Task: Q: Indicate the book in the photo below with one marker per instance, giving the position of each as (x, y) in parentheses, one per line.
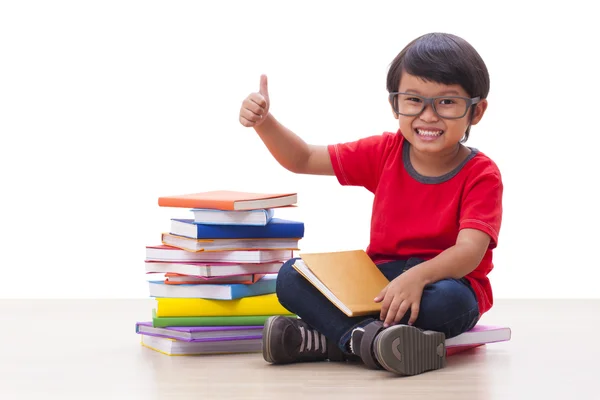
(266, 304)
(349, 279)
(200, 333)
(229, 200)
(277, 228)
(207, 245)
(232, 320)
(169, 253)
(479, 335)
(172, 347)
(211, 269)
(207, 216)
(218, 291)
(179, 279)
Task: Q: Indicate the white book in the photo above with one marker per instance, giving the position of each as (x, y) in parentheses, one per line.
(173, 347)
(207, 216)
(209, 270)
(173, 254)
(194, 245)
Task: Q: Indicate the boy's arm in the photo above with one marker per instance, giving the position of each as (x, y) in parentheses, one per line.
(458, 260)
(403, 294)
(287, 148)
(291, 151)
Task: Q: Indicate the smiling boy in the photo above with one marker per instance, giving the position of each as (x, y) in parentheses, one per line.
(436, 216)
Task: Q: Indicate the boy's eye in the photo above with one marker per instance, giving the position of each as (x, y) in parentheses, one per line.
(412, 99)
(446, 102)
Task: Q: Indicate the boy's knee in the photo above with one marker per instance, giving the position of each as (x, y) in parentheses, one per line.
(286, 279)
(448, 306)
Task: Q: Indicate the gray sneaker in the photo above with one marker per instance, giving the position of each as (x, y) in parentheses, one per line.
(289, 340)
(402, 349)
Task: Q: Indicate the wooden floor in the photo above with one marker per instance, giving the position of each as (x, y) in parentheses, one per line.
(88, 349)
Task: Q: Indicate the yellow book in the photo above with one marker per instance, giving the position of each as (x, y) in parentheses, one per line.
(266, 304)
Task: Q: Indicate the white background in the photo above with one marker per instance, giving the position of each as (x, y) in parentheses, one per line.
(107, 105)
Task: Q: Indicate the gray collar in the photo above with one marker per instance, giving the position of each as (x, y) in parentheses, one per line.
(432, 179)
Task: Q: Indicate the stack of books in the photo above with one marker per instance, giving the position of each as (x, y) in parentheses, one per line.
(218, 272)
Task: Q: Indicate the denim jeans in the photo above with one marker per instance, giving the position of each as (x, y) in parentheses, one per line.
(447, 306)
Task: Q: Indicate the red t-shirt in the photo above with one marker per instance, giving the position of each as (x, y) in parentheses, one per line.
(419, 216)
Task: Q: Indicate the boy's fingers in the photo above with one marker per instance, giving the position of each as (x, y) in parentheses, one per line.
(249, 115)
(381, 295)
(254, 108)
(246, 122)
(401, 311)
(258, 99)
(391, 314)
(414, 313)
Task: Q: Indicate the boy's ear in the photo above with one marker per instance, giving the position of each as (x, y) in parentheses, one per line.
(479, 111)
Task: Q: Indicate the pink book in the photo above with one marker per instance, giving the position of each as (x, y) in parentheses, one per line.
(478, 336)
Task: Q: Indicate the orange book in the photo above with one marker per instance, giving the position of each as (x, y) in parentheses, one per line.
(229, 200)
(349, 279)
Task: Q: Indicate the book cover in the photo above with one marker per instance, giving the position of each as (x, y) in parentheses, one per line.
(211, 269)
(266, 304)
(164, 253)
(220, 291)
(229, 200)
(479, 335)
(201, 333)
(219, 245)
(172, 347)
(233, 320)
(172, 278)
(207, 216)
(349, 279)
(277, 228)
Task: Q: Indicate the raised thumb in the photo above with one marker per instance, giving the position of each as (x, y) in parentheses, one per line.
(264, 90)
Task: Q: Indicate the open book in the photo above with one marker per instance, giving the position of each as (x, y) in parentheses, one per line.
(349, 279)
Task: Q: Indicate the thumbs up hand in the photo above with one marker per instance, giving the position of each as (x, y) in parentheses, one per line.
(255, 107)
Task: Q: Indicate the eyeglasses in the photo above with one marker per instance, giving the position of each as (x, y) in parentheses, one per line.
(448, 107)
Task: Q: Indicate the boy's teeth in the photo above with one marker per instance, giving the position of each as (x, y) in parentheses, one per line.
(428, 133)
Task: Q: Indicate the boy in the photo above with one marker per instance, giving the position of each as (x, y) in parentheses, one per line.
(437, 212)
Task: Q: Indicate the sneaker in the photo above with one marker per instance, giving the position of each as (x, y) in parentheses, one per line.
(289, 340)
(355, 340)
(406, 350)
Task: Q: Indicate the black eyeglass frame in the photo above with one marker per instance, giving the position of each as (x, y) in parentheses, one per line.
(430, 100)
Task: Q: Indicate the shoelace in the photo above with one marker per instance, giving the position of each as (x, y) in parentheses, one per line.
(309, 336)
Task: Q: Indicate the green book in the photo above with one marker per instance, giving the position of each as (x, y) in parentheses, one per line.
(240, 320)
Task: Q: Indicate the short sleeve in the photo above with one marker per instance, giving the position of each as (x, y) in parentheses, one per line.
(359, 163)
(481, 206)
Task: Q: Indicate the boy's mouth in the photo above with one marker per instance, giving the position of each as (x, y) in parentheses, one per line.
(429, 132)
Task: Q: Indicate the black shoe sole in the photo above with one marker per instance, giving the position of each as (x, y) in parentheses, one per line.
(266, 348)
(406, 350)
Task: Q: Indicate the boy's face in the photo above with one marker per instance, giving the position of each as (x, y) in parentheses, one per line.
(428, 132)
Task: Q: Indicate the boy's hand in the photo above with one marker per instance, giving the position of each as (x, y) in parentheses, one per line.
(401, 295)
(256, 106)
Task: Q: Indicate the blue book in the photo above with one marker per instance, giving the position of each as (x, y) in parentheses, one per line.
(277, 228)
(221, 291)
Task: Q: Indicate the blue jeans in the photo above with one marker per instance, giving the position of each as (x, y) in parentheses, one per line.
(447, 306)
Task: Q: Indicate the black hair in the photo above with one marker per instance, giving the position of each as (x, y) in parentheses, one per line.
(443, 58)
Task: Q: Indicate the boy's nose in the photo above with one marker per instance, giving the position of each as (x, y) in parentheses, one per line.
(428, 114)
